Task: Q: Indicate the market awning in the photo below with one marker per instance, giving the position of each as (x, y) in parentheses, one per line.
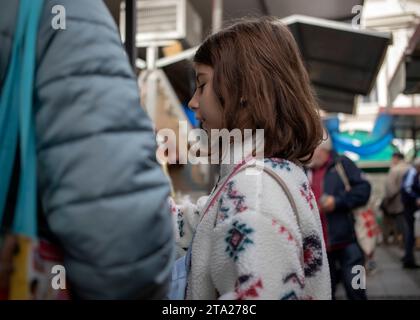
(406, 78)
(371, 149)
(342, 61)
(412, 64)
(406, 121)
(234, 9)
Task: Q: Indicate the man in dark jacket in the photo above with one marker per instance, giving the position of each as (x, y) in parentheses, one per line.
(336, 205)
(410, 194)
(102, 192)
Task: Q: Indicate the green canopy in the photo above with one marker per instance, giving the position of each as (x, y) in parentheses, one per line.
(377, 162)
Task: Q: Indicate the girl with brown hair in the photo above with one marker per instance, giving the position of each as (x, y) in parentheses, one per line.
(258, 234)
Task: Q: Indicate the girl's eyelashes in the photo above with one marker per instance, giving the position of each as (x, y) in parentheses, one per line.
(201, 87)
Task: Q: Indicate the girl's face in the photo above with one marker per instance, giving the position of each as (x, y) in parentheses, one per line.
(204, 102)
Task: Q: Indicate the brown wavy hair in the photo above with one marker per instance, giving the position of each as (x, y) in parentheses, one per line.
(262, 83)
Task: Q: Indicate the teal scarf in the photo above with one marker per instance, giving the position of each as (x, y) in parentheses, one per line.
(17, 126)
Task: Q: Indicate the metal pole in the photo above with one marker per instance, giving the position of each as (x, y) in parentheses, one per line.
(130, 31)
(217, 15)
(151, 57)
(152, 82)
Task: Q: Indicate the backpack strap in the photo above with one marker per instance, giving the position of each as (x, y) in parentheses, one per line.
(286, 190)
(276, 177)
(246, 165)
(343, 176)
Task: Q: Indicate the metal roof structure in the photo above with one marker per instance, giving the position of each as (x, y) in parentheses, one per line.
(342, 61)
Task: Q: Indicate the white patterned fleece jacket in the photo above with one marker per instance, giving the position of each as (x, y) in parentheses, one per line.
(248, 245)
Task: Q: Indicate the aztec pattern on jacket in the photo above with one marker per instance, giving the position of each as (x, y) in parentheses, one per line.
(248, 244)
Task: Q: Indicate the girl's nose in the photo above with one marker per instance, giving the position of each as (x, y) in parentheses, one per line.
(193, 103)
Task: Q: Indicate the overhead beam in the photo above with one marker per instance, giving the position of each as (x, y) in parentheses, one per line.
(263, 7)
(130, 31)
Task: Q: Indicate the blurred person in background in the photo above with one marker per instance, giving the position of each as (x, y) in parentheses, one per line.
(392, 205)
(102, 194)
(336, 205)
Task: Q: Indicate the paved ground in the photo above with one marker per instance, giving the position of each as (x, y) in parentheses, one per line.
(391, 281)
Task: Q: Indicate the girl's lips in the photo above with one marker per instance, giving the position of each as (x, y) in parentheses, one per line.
(203, 125)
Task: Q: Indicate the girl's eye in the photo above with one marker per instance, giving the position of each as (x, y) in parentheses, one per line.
(201, 87)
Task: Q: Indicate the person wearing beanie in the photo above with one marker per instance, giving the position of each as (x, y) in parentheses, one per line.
(335, 205)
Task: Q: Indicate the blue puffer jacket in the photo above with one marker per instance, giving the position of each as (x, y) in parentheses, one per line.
(102, 191)
(340, 222)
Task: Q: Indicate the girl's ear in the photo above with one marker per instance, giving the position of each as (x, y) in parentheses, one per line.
(222, 101)
(243, 102)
